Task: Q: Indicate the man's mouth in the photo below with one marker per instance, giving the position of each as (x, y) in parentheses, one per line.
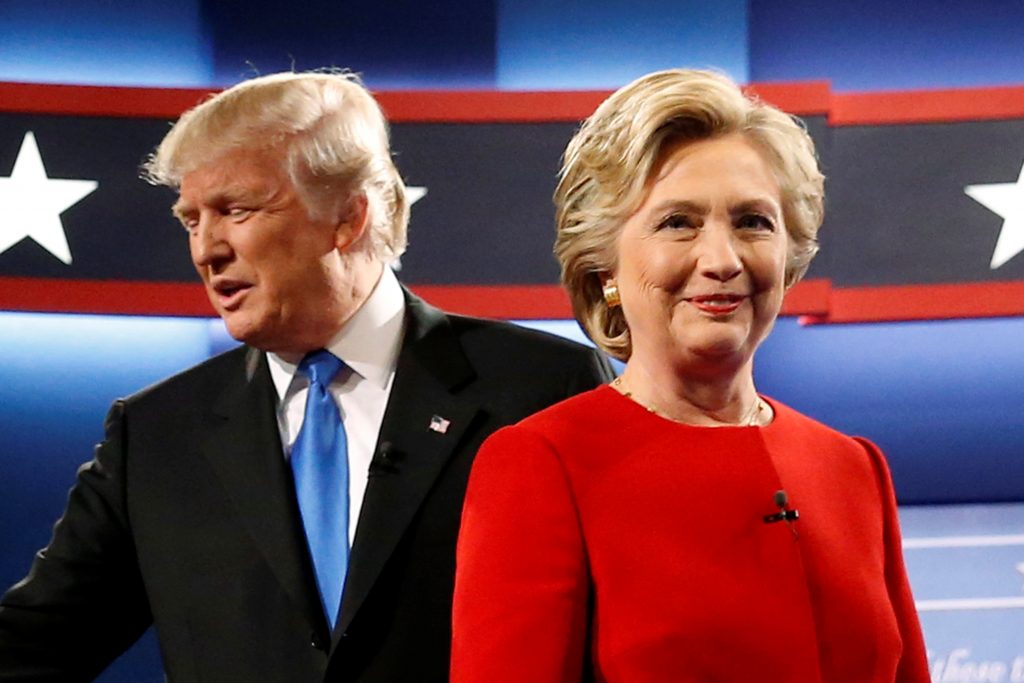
(229, 293)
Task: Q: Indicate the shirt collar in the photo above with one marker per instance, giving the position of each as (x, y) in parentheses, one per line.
(368, 343)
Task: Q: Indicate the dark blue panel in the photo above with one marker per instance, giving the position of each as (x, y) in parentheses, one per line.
(884, 45)
(487, 216)
(398, 44)
(124, 229)
(896, 210)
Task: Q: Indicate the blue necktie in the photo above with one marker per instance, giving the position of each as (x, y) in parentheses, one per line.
(320, 464)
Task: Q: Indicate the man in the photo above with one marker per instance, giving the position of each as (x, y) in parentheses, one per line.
(206, 509)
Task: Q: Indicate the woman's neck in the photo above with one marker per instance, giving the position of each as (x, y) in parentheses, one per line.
(703, 399)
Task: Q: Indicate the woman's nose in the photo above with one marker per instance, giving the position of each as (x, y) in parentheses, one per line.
(718, 258)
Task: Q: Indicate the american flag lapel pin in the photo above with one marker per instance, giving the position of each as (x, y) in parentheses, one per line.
(439, 424)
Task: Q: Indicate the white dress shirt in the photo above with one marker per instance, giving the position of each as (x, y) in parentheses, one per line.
(369, 344)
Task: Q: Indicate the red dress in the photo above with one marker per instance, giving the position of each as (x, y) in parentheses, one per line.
(598, 537)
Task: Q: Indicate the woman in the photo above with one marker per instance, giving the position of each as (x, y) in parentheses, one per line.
(675, 525)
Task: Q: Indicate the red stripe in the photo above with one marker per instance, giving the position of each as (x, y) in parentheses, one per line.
(472, 106)
(924, 302)
(103, 296)
(549, 302)
(804, 98)
(927, 106)
(808, 297)
(816, 301)
(88, 100)
(488, 106)
(511, 302)
(514, 302)
(497, 106)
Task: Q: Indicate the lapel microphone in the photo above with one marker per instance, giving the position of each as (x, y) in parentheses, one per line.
(784, 514)
(385, 461)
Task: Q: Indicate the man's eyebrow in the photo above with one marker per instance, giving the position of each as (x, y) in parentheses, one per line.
(182, 207)
(179, 209)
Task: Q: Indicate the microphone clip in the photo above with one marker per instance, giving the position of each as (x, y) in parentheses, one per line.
(782, 516)
(785, 514)
(385, 461)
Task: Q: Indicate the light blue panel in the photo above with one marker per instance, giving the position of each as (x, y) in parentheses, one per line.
(942, 398)
(115, 42)
(58, 377)
(581, 44)
(563, 328)
(966, 567)
(568, 329)
(83, 361)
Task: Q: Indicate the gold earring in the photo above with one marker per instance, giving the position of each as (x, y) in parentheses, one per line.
(611, 294)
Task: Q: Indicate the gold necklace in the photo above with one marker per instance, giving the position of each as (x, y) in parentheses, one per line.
(760, 413)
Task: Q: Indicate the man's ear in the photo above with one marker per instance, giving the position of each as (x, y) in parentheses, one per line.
(352, 222)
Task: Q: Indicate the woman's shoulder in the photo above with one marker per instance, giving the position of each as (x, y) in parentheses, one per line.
(565, 421)
(579, 412)
(797, 428)
(792, 420)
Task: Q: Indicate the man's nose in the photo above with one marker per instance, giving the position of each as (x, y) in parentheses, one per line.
(206, 242)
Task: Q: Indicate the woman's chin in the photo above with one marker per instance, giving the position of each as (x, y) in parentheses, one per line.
(727, 353)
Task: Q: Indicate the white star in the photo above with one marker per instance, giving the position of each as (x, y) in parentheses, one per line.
(414, 194)
(31, 203)
(1007, 200)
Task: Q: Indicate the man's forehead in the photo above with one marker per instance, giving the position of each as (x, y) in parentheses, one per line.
(231, 176)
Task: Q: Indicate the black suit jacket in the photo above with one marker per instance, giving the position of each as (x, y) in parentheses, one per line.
(186, 518)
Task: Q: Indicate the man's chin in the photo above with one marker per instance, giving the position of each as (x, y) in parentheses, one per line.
(242, 330)
(262, 337)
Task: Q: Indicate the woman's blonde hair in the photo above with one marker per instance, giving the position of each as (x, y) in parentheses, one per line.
(330, 132)
(608, 163)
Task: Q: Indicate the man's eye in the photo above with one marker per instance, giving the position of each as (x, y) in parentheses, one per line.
(237, 211)
(754, 221)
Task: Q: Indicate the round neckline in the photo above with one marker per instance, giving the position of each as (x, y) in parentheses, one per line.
(685, 425)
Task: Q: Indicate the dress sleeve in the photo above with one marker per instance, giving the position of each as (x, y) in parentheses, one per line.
(913, 665)
(521, 582)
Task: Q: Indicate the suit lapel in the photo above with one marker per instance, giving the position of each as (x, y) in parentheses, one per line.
(243, 444)
(411, 452)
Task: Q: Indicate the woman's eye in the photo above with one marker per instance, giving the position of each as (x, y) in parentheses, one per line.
(677, 222)
(754, 221)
